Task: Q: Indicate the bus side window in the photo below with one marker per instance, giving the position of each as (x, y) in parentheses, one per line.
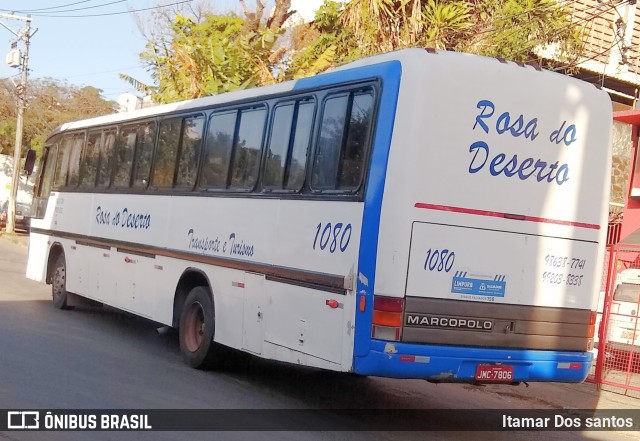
(288, 146)
(91, 157)
(124, 158)
(344, 140)
(49, 164)
(247, 148)
(62, 164)
(68, 165)
(164, 163)
(325, 168)
(279, 142)
(190, 146)
(46, 175)
(105, 166)
(75, 153)
(355, 149)
(217, 154)
(144, 155)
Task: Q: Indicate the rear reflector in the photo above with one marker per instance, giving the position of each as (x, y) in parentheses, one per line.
(363, 303)
(571, 366)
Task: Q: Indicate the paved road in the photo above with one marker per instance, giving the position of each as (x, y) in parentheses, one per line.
(102, 358)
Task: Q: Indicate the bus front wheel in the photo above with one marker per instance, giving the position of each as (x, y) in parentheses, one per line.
(59, 284)
(197, 326)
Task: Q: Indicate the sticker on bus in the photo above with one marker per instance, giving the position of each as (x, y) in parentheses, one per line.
(461, 284)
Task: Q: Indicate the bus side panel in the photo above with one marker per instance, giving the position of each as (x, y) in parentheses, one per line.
(120, 252)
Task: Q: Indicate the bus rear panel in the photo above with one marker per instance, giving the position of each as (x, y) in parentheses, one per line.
(491, 239)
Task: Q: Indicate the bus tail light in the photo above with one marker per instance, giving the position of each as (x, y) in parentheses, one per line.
(387, 318)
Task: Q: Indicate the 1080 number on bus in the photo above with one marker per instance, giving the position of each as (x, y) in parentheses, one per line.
(333, 237)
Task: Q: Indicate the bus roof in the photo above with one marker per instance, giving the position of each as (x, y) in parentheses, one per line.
(403, 56)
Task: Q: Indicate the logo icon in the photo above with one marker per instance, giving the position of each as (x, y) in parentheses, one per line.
(27, 419)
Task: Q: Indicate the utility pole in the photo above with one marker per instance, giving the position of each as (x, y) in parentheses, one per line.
(25, 36)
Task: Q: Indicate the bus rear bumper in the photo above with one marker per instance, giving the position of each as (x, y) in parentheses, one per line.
(460, 364)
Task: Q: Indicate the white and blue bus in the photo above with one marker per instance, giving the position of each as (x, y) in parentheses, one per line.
(419, 214)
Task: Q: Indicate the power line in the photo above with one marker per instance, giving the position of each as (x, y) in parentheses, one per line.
(56, 7)
(584, 60)
(492, 30)
(82, 9)
(110, 13)
(594, 54)
(532, 45)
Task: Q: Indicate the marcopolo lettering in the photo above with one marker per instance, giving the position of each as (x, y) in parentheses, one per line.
(431, 321)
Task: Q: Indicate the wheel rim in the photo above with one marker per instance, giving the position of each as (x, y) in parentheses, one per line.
(194, 327)
(59, 282)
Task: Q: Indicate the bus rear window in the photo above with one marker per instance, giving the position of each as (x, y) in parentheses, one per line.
(627, 292)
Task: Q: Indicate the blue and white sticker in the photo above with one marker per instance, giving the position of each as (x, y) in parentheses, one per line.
(462, 284)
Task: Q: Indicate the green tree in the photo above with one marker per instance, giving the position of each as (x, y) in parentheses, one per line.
(201, 53)
(512, 29)
(49, 104)
(209, 54)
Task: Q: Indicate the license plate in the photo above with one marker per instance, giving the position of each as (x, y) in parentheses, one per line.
(497, 373)
(18, 217)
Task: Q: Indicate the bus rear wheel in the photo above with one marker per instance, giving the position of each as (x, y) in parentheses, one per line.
(197, 327)
(59, 284)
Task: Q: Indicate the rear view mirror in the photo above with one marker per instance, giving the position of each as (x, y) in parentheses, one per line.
(29, 162)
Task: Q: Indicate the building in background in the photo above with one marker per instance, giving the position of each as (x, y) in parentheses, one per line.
(611, 48)
(129, 102)
(611, 61)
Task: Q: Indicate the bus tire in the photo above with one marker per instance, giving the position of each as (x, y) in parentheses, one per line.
(59, 293)
(197, 327)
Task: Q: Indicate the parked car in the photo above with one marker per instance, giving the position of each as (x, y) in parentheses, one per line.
(23, 219)
(622, 336)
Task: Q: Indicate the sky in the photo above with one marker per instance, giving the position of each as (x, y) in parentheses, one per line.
(90, 42)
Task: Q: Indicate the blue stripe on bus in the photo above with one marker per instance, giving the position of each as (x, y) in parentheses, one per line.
(458, 364)
(366, 280)
(389, 73)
